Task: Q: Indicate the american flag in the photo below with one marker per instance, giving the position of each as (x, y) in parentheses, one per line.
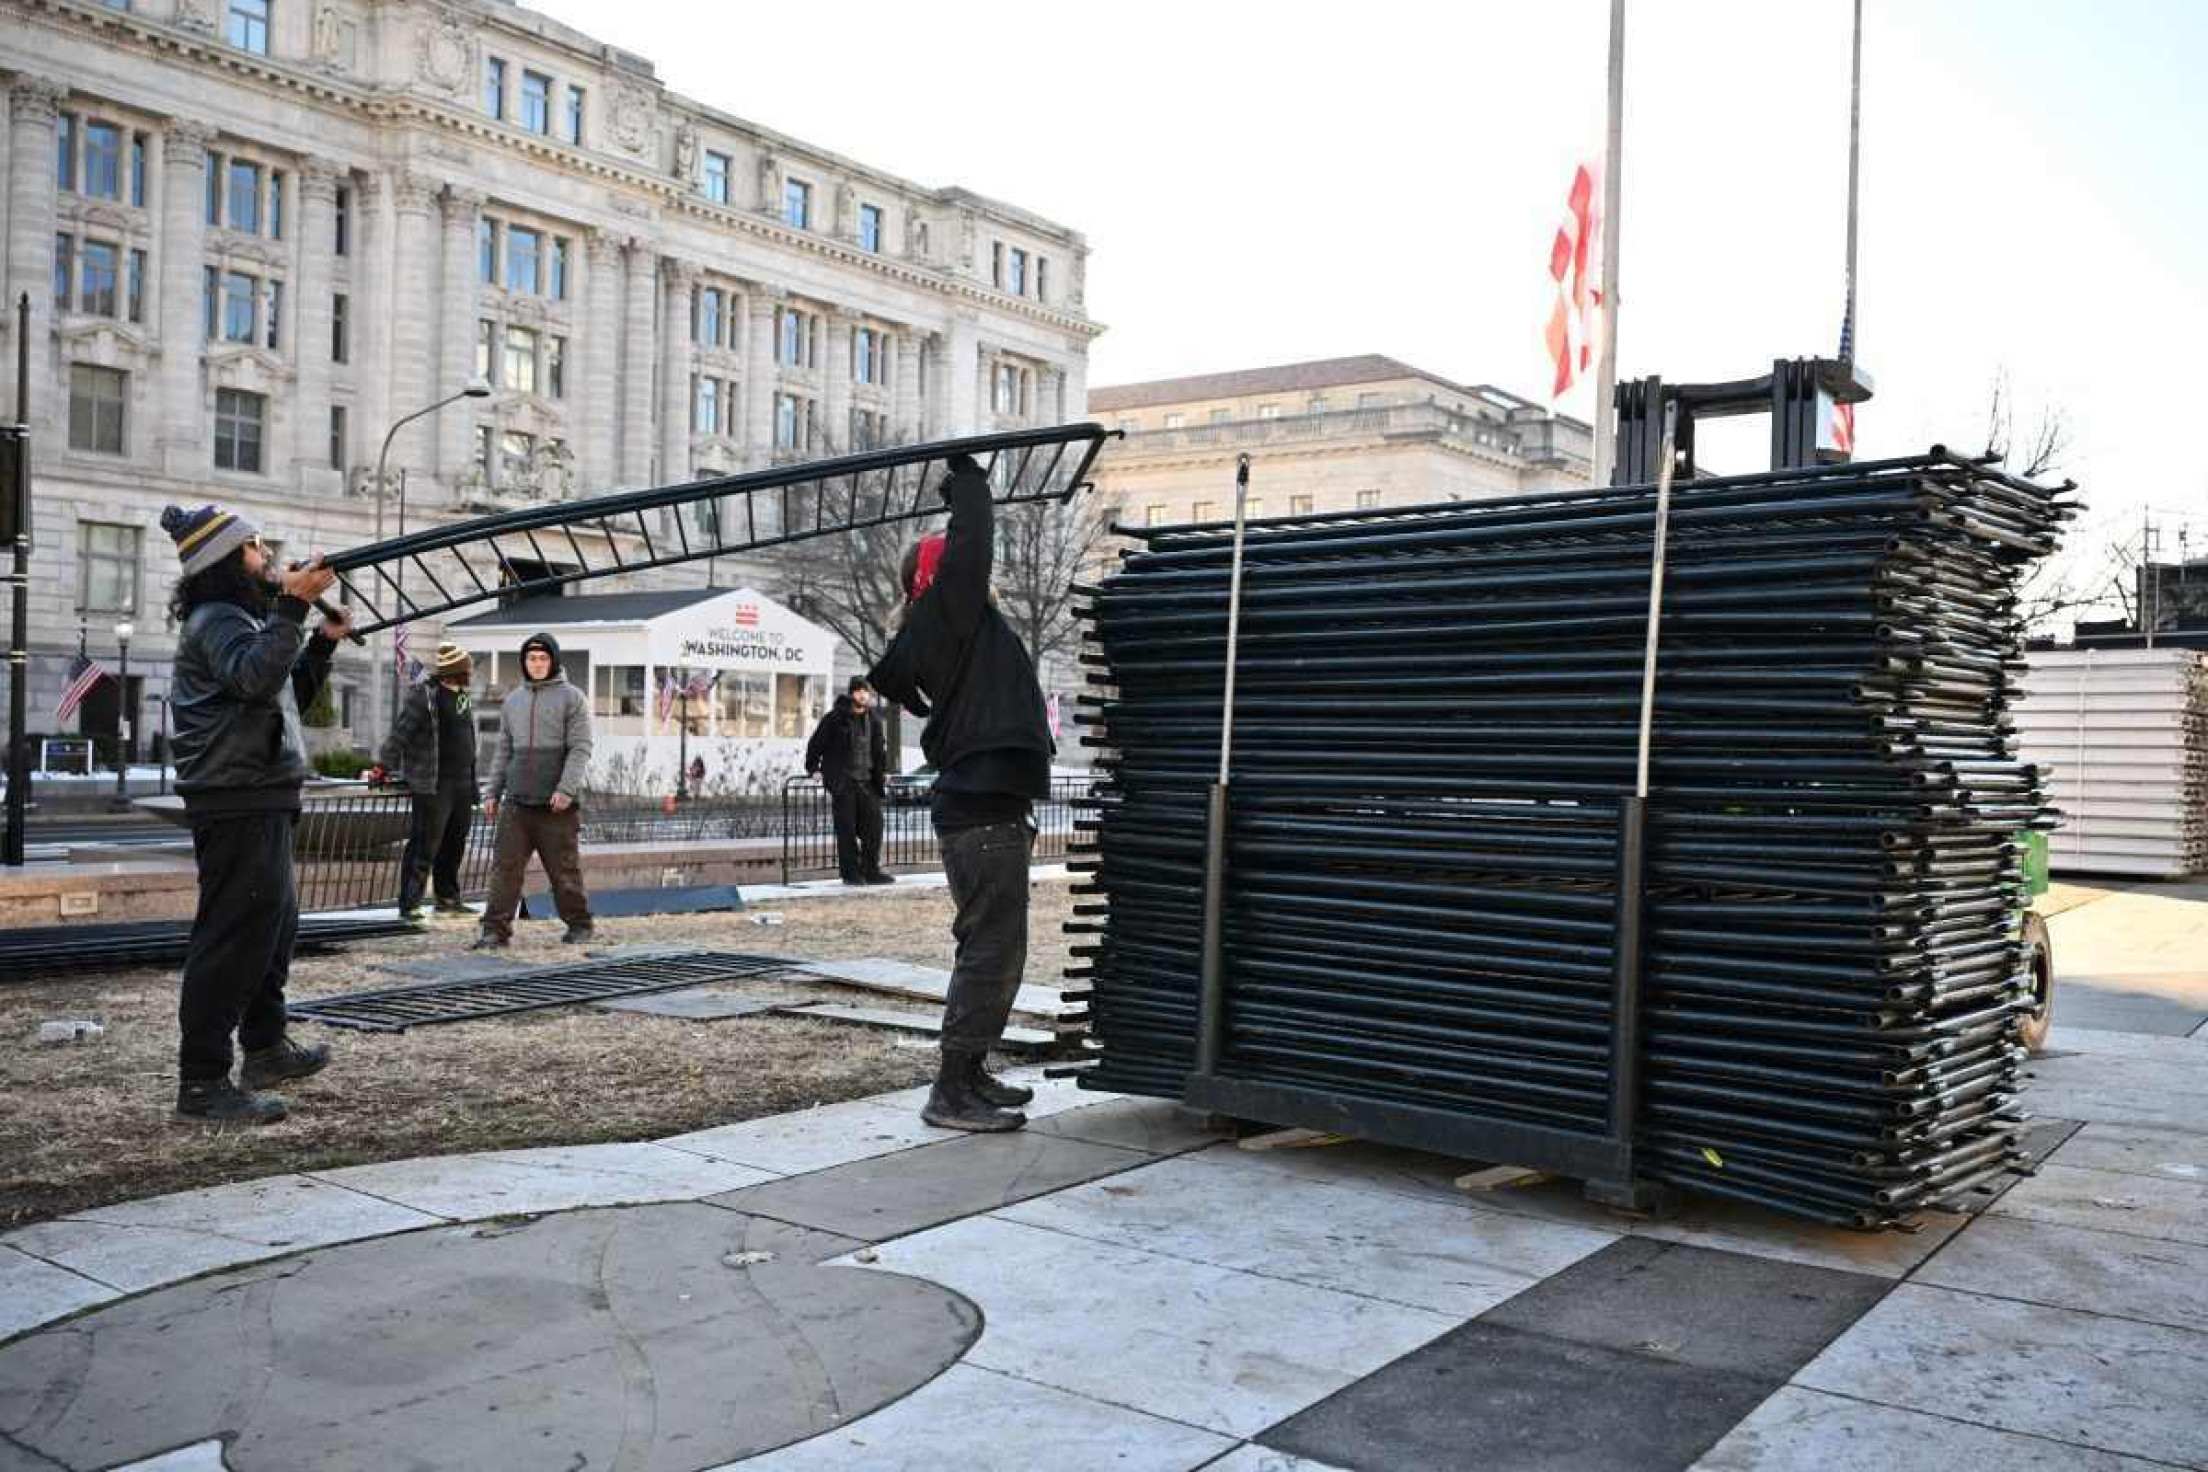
(666, 701)
(84, 673)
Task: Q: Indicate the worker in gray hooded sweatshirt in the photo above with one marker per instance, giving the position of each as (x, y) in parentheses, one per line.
(535, 791)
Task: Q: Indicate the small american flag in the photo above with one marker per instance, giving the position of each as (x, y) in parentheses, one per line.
(398, 648)
(84, 673)
(666, 701)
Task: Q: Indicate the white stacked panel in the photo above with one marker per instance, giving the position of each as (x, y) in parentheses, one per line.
(2122, 736)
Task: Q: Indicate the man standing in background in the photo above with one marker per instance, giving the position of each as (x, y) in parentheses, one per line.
(849, 752)
(431, 749)
(537, 779)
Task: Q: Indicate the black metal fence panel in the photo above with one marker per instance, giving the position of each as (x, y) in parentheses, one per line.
(908, 836)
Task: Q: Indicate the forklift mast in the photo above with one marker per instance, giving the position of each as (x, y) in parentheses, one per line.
(1800, 395)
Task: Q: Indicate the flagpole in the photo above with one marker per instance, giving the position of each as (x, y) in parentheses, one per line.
(1613, 162)
(1855, 159)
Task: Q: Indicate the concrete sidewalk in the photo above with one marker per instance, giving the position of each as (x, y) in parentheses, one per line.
(849, 1288)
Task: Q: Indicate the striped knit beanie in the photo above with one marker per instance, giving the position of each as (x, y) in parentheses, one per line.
(206, 536)
(453, 660)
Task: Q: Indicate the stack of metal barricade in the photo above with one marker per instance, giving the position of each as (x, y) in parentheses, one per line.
(1436, 713)
(2123, 734)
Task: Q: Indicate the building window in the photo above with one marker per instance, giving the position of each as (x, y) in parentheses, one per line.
(516, 452)
(707, 419)
(536, 102)
(238, 420)
(1042, 278)
(1153, 515)
(785, 421)
(870, 228)
(1016, 274)
(555, 367)
(340, 348)
(65, 153)
(1202, 510)
(790, 346)
(559, 268)
(494, 87)
(96, 398)
(485, 444)
(107, 567)
(716, 177)
(344, 241)
(521, 259)
(1174, 421)
(275, 204)
(864, 355)
(238, 293)
(337, 437)
(1254, 507)
(797, 204)
(1316, 406)
(243, 204)
(249, 26)
(574, 114)
(103, 160)
(486, 334)
(486, 251)
(1299, 505)
(1369, 401)
(1268, 411)
(708, 332)
(1367, 500)
(96, 279)
(275, 312)
(135, 288)
(65, 247)
(521, 359)
(1221, 416)
(138, 170)
(1005, 389)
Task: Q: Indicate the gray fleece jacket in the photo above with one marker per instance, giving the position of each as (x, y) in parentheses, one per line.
(543, 738)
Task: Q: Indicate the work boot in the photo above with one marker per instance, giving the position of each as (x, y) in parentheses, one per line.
(453, 907)
(993, 1090)
(411, 914)
(219, 1101)
(878, 877)
(286, 1060)
(489, 942)
(953, 1103)
(578, 935)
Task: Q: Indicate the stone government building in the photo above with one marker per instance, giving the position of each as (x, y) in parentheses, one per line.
(1339, 434)
(257, 232)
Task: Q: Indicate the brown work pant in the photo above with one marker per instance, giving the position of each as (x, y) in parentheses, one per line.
(556, 840)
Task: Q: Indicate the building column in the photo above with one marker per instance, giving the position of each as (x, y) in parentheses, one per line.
(456, 333)
(317, 228)
(762, 304)
(928, 353)
(413, 366)
(677, 410)
(960, 364)
(184, 445)
(637, 364)
(371, 307)
(835, 407)
(599, 459)
(33, 103)
(1073, 390)
(905, 393)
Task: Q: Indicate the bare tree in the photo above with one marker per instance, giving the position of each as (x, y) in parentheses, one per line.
(2041, 450)
(1043, 549)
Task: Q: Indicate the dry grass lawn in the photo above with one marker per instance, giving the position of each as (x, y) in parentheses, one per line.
(89, 1124)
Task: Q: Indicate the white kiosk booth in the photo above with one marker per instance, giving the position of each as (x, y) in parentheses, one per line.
(729, 678)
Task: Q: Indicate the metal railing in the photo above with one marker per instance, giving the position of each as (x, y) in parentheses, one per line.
(908, 834)
(1375, 420)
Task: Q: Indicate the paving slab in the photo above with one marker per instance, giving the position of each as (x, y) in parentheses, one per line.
(589, 1339)
(34, 1292)
(1753, 1316)
(1796, 1430)
(2082, 1002)
(1496, 1398)
(1255, 1458)
(556, 1178)
(2062, 1038)
(200, 1456)
(465, 966)
(2153, 1207)
(896, 1195)
(2072, 1267)
(930, 1024)
(980, 1421)
(2180, 1155)
(1052, 1095)
(1218, 1208)
(931, 983)
(1153, 1126)
(814, 1139)
(143, 1244)
(2150, 1076)
(2115, 1103)
(1223, 1350)
(2113, 1384)
(704, 1004)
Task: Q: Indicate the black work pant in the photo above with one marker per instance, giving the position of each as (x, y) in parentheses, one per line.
(557, 841)
(239, 955)
(987, 870)
(858, 815)
(436, 842)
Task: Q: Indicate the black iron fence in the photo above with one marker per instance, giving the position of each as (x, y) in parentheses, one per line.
(908, 837)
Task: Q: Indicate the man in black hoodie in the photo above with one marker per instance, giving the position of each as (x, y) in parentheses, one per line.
(849, 752)
(245, 668)
(958, 662)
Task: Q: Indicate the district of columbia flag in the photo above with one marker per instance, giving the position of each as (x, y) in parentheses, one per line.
(1575, 260)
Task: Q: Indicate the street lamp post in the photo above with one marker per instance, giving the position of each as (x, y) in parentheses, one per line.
(476, 388)
(123, 719)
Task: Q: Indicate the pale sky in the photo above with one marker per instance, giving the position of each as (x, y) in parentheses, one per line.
(1268, 182)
